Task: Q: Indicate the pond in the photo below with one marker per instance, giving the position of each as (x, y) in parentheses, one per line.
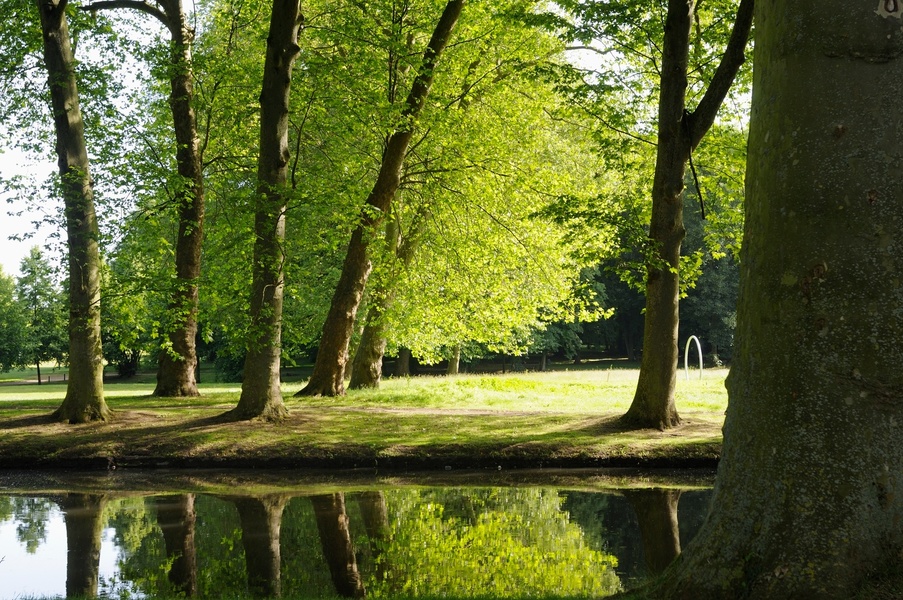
(163, 534)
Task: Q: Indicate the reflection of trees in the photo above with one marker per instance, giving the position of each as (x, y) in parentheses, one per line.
(176, 518)
(496, 542)
(335, 537)
(656, 511)
(31, 515)
(375, 513)
(261, 521)
(83, 514)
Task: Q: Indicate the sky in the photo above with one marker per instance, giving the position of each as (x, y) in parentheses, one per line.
(12, 252)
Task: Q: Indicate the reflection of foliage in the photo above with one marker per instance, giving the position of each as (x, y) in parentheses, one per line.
(502, 542)
(31, 516)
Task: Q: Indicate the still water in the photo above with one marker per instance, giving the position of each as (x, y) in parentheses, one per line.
(158, 534)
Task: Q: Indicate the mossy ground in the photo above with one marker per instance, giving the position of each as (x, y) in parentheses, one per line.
(552, 419)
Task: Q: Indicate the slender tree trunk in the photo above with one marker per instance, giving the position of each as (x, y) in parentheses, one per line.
(261, 396)
(329, 369)
(809, 497)
(332, 523)
(38, 367)
(83, 514)
(176, 372)
(261, 523)
(454, 361)
(176, 518)
(84, 399)
(656, 511)
(679, 131)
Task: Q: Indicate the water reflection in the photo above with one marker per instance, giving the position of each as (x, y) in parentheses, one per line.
(382, 543)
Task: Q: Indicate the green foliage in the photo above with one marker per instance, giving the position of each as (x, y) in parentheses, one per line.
(13, 325)
(46, 308)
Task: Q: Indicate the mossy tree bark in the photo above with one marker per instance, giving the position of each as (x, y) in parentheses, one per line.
(261, 395)
(328, 377)
(679, 132)
(809, 496)
(84, 399)
(178, 360)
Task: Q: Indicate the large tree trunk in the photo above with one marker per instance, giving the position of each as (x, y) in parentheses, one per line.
(367, 367)
(328, 375)
(261, 525)
(454, 361)
(403, 363)
(84, 399)
(679, 131)
(261, 395)
(375, 514)
(176, 372)
(176, 518)
(83, 514)
(809, 497)
(335, 538)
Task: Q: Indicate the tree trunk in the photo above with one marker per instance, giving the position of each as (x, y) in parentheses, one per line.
(332, 523)
(809, 497)
(367, 367)
(38, 367)
(176, 518)
(656, 512)
(84, 399)
(454, 361)
(83, 514)
(261, 395)
(176, 371)
(679, 131)
(261, 523)
(403, 363)
(328, 375)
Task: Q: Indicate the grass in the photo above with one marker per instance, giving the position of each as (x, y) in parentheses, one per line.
(553, 419)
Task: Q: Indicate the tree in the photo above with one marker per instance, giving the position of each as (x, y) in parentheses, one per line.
(13, 323)
(261, 395)
(178, 357)
(679, 132)
(84, 399)
(38, 295)
(329, 370)
(807, 501)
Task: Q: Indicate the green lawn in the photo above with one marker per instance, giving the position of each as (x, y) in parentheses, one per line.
(558, 418)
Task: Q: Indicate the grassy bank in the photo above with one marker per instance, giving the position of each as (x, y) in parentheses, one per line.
(555, 419)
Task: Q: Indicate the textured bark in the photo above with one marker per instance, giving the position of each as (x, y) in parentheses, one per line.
(177, 367)
(328, 375)
(679, 131)
(261, 395)
(335, 538)
(176, 518)
(656, 512)
(261, 522)
(367, 367)
(83, 514)
(84, 399)
(809, 496)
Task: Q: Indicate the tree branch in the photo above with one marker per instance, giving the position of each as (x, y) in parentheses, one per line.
(734, 56)
(138, 5)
